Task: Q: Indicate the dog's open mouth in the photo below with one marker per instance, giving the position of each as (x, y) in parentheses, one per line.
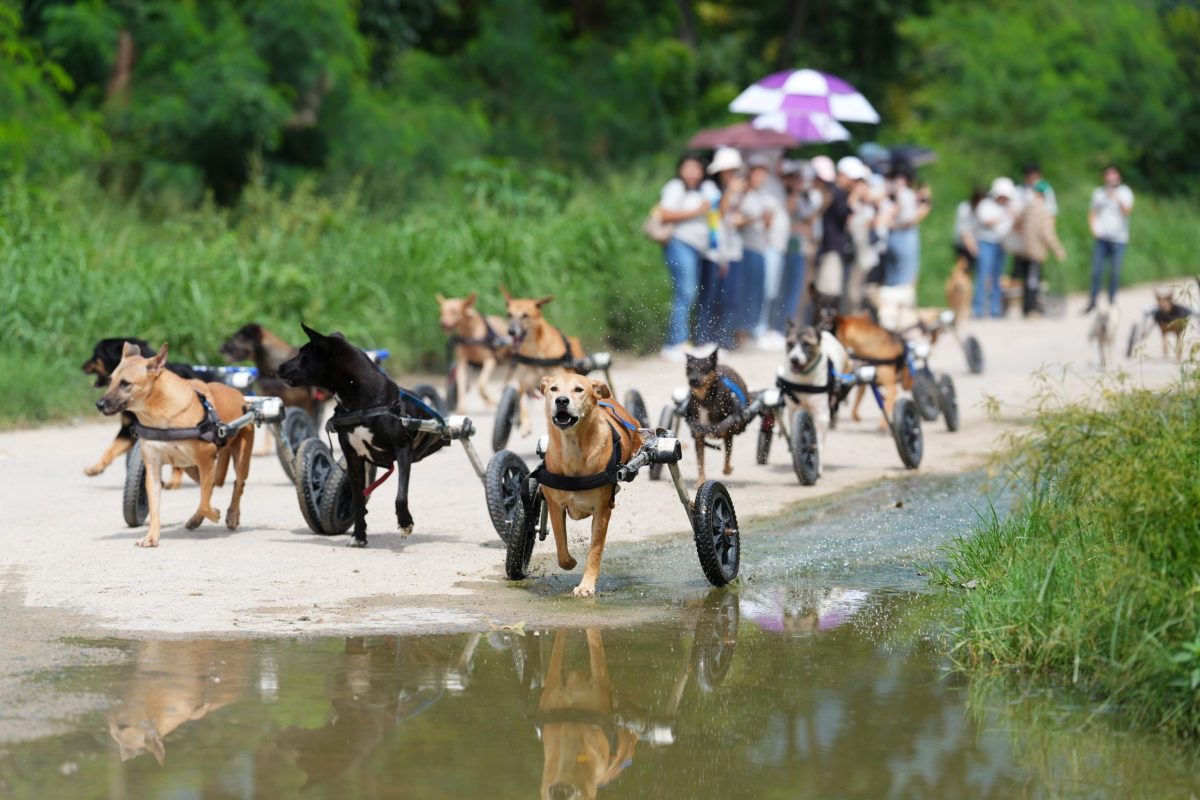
(564, 419)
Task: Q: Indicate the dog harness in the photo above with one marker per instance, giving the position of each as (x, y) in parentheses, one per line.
(736, 390)
(576, 483)
(491, 340)
(565, 360)
(422, 444)
(208, 430)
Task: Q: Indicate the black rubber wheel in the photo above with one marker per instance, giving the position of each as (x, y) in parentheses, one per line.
(948, 402)
(974, 355)
(906, 429)
(925, 392)
(524, 532)
(337, 502)
(668, 422)
(430, 396)
(507, 411)
(297, 426)
(135, 504)
(636, 405)
(806, 454)
(766, 432)
(452, 388)
(1133, 340)
(715, 639)
(502, 483)
(715, 530)
(313, 469)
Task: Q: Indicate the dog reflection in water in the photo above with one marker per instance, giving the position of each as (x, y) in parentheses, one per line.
(175, 683)
(583, 746)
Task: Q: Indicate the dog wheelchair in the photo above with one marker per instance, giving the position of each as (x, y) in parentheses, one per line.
(711, 515)
(508, 408)
(947, 321)
(933, 395)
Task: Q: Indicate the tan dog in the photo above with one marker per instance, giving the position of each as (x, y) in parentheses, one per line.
(476, 343)
(578, 755)
(581, 444)
(1104, 331)
(864, 339)
(959, 291)
(162, 399)
(534, 338)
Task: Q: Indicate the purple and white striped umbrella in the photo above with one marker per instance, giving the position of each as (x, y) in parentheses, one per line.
(812, 127)
(800, 92)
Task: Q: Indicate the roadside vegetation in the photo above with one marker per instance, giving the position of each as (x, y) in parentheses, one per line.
(1093, 582)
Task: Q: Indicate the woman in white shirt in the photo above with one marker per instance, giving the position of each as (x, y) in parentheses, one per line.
(684, 202)
(1108, 218)
(994, 218)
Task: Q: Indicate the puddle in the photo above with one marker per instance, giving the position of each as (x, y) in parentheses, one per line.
(822, 675)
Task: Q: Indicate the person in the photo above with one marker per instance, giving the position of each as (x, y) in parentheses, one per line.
(1038, 236)
(966, 248)
(865, 199)
(904, 241)
(1108, 218)
(684, 203)
(767, 336)
(757, 210)
(835, 243)
(1032, 174)
(720, 274)
(803, 206)
(995, 221)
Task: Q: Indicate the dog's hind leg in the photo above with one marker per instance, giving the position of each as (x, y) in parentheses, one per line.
(462, 374)
(728, 455)
(356, 468)
(558, 523)
(485, 375)
(403, 470)
(858, 396)
(243, 449)
(153, 495)
(176, 479)
(591, 568)
(120, 445)
(222, 468)
(208, 472)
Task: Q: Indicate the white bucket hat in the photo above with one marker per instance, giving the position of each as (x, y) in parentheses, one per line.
(853, 168)
(725, 158)
(823, 167)
(1003, 187)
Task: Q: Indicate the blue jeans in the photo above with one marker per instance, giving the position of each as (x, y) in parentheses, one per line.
(989, 265)
(906, 251)
(752, 289)
(1114, 253)
(787, 303)
(683, 265)
(716, 312)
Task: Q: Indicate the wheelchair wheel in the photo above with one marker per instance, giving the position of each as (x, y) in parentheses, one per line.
(906, 429)
(636, 406)
(806, 455)
(669, 422)
(502, 484)
(523, 532)
(925, 393)
(974, 352)
(135, 505)
(715, 530)
(948, 402)
(297, 426)
(766, 432)
(507, 411)
(313, 469)
(430, 397)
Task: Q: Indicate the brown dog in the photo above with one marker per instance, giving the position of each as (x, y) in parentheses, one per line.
(162, 399)
(255, 343)
(576, 714)
(959, 291)
(477, 343)
(865, 340)
(1172, 319)
(536, 345)
(584, 423)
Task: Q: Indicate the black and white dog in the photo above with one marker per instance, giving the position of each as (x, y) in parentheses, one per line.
(812, 357)
(368, 419)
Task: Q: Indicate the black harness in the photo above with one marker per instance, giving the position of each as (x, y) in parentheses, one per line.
(421, 443)
(579, 716)
(565, 360)
(491, 340)
(791, 389)
(208, 430)
(581, 483)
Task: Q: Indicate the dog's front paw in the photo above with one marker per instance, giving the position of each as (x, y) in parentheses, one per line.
(567, 563)
(146, 541)
(94, 470)
(584, 590)
(232, 518)
(406, 531)
(357, 542)
(728, 470)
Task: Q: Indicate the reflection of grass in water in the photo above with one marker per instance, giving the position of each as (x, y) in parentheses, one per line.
(1093, 581)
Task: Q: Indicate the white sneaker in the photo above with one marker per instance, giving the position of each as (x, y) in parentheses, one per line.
(676, 354)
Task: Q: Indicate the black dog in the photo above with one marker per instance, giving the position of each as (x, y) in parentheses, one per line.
(367, 418)
(105, 357)
(714, 409)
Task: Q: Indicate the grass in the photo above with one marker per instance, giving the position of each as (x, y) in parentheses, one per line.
(1093, 581)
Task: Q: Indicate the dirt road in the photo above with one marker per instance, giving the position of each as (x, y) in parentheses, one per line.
(67, 547)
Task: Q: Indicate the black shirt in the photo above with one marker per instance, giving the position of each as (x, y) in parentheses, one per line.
(833, 223)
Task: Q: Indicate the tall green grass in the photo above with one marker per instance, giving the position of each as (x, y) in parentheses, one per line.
(1095, 580)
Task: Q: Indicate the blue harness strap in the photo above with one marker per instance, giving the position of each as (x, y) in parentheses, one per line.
(419, 403)
(623, 423)
(737, 390)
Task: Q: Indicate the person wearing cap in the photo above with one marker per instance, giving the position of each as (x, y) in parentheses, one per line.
(1038, 237)
(994, 218)
(684, 203)
(1032, 174)
(1108, 218)
(904, 240)
(721, 272)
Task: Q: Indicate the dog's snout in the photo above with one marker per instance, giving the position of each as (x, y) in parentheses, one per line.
(562, 401)
(513, 330)
(100, 405)
(561, 791)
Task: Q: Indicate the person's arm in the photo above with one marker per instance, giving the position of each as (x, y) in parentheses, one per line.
(969, 242)
(1050, 234)
(1125, 200)
(1092, 213)
(669, 203)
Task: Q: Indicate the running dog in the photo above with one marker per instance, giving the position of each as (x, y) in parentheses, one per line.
(367, 420)
(714, 410)
(869, 342)
(812, 358)
(476, 343)
(583, 745)
(1172, 320)
(538, 348)
(105, 357)
(590, 435)
(1105, 323)
(162, 401)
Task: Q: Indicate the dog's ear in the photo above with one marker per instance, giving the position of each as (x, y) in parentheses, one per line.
(791, 327)
(544, 384)
(313, 336)
(504, 291)
(439, 297)
(470, 299)
(541, 301)
(159, 362)
(601, 389)
(130, 349)
(710, 361)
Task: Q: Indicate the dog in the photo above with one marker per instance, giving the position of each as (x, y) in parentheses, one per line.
(811, 355)
(105, 357)
(589, 431)
(475, 341)
(583, 747)
(161, 399)
(1172, 319)
(253, 342)
(333, 364)
(959, 291)
(1104, 332)
(867, 341)
(716, 398)
(537, 347)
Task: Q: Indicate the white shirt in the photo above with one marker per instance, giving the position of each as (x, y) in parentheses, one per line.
(964, 221)
(995, 221)
(677, 197)
(1111, 223)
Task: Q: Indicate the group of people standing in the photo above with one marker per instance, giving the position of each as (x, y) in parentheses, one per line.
(738, 235)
